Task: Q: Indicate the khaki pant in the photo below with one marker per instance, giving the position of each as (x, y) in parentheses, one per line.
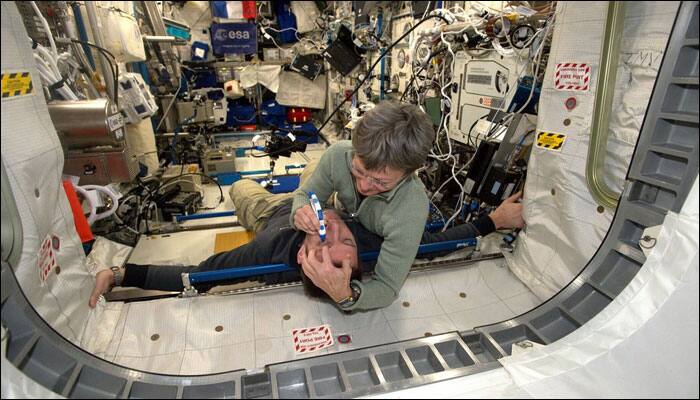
(254, 204)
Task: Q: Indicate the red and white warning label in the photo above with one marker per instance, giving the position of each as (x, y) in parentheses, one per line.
(47, 258)
(572, 77)
(308, 340)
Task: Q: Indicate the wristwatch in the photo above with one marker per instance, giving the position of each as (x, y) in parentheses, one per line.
(352, 299)
(118, 277)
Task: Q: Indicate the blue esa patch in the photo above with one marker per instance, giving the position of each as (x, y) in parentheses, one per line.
(234, 38)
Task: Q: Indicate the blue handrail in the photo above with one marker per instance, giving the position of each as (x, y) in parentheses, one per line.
(181, 218)
(257, 270)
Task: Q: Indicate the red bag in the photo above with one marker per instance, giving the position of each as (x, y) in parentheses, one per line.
(81, 223)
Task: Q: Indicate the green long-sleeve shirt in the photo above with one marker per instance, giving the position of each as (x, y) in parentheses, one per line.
(398, 216)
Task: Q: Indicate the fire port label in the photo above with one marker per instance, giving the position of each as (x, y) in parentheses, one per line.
(47, 257)
(572, 77)
(308, 340)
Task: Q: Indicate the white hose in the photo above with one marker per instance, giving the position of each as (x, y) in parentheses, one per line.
(50, 58)
(94, 216)
(50, 73)
(46, 28)
(93, 209)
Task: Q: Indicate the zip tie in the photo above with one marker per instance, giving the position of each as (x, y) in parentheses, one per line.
(57, 85)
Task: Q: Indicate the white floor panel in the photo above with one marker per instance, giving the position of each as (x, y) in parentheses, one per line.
(223, 333)
(367, 336)
(462, 289)
(155, 328)
(117, 333)
(523, 302)
(102, 325)
(500, 280)
(277, 313)
(219, 359)
(405, 329)
(271, 351)
(491, 313)
(220, 321)
(416, 300)
(341, 322)
(164, 364)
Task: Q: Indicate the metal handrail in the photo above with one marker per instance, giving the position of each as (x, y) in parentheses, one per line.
(610, 56)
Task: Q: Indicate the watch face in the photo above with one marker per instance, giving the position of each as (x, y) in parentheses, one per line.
(355, 291)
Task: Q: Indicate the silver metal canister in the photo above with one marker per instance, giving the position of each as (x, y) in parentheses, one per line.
(87, 123)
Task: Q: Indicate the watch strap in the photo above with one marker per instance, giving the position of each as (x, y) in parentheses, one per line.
(118, 277)
(352, 299)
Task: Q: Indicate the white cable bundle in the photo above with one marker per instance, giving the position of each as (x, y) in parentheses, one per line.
(48, 61)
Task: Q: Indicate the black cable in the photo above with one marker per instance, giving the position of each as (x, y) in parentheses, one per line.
(369, 72)
(413, 76)
(494, 128)
(147, 211)
(114, 66)
(471, 128)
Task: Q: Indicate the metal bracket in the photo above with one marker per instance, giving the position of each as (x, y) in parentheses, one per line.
(189, 290)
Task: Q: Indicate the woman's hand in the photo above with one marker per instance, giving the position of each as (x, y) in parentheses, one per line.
(305, 219)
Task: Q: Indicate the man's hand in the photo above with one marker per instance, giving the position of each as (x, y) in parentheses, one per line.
(103, 282)
(332, 280)
(305, 219)
(509, 214)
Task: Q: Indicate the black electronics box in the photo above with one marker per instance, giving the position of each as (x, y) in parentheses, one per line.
(185, 203)
(342, 54)
(306, 66)
(361, 10)
(282, 145)
(419, 7)
(480, 165)
(499, 185)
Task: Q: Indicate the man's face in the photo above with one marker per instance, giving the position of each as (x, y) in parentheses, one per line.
(339, 241)
(369, 183)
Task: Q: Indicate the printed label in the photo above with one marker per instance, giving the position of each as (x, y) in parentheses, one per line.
(16, 84)
(47, 258)
(308, 340)
(550, 141)
(572, 77)
(115, 122)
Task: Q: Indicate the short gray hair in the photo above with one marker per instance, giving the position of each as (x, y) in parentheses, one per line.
(393, 135)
